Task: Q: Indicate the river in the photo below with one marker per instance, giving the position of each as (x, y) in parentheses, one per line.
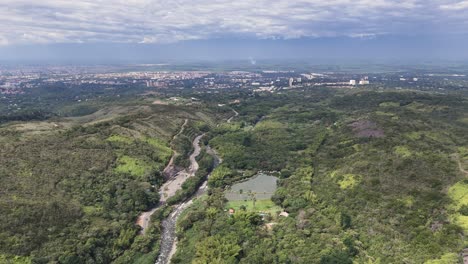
(168, 236)
(168, 189)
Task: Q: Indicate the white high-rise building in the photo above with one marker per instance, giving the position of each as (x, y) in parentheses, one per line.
(352, 82)
(291, 81)
(364, 81)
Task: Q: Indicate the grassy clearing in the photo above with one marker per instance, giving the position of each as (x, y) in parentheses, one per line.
(459, 195)
(120, 139)
(92, 210)
(15, 259)
(403, 151)
(423, 108)
(418, 135)
(448, 258)
(133, 166)
(266, 206)
(408, 201)
(349, 181)
(413, 135)
(164, 152)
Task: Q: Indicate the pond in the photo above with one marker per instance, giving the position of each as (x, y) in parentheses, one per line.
(262, 186)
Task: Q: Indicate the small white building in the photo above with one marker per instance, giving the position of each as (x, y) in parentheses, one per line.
(284, 214)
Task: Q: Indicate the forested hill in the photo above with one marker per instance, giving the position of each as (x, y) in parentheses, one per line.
(366, 177)
(363, 177)
(73, 187)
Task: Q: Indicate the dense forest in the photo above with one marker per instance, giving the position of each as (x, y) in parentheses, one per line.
(72, 187)
(364, 177)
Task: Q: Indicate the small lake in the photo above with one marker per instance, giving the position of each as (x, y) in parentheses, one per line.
(262, 186)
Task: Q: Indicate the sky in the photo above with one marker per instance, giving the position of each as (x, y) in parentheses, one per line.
(151, 30)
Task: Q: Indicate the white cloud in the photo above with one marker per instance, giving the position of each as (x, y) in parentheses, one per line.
(165, 21)
(3, 41)
(455, 6)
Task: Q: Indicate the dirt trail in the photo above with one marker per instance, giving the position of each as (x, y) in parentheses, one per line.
(460, 166)
(235, 115)
(170, 166)
(456, 156)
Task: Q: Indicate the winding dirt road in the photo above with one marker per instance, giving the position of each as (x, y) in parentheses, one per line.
(235, 115)
(170, 166)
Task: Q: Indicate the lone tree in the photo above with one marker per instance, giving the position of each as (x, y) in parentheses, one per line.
(253, 197)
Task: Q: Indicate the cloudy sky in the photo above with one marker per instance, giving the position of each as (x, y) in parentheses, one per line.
(29, 25)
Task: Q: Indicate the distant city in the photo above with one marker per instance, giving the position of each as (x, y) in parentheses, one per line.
(18, 80)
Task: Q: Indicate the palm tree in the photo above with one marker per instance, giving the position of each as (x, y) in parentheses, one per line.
(253, 198)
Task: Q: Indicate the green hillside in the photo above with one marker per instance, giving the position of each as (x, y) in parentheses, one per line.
(366, 177)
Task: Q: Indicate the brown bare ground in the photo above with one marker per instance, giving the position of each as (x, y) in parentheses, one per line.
(366, 128)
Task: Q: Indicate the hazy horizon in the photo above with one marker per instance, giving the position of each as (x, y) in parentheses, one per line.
(146, 31)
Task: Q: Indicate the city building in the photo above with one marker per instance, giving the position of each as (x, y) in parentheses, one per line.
(291, 81)
(364, 81)
(352, 82)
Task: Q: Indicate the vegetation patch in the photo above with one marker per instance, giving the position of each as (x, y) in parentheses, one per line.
(132, 166)
(424, 108)
(389, 104)
(459, 195)
(413, 135)
(164, 152)
(408, 201)
(436, 136)
(120, 139)
(463, 157)
(380, 113)
(349, 181)
(264, 206)
(14, 259)
(448, 258)
(403, 151)
(92, 210)
(463, 120)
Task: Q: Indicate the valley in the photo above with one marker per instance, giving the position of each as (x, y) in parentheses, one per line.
(343, 176)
